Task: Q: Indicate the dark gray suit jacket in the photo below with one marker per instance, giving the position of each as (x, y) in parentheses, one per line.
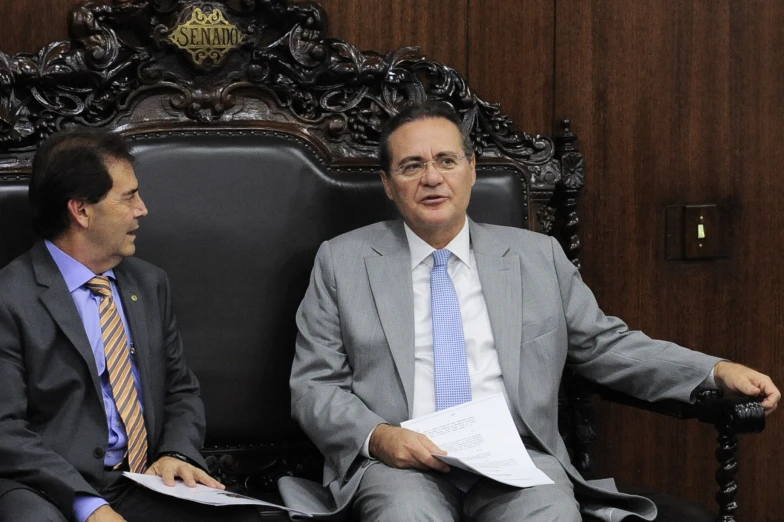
(53, 428)
(354, 363)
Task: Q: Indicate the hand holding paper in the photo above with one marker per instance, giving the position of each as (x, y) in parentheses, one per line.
(480, 436)
(403, 448)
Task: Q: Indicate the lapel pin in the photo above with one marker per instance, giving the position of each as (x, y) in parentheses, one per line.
(134, 298)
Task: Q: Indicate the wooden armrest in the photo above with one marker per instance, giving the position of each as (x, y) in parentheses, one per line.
(735, 415)
(731, 416)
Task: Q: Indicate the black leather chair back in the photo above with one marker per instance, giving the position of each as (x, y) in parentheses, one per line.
(235, 219)
(16, 231)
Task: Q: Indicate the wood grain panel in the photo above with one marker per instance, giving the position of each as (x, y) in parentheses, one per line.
(676, 102)
(29, 25)
(756, 91)
(438, 27)
(510, 58)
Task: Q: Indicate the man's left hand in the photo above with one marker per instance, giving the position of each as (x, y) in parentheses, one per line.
(739, 379)
(169, 469)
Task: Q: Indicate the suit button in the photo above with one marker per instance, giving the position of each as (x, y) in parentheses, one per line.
(99, 453)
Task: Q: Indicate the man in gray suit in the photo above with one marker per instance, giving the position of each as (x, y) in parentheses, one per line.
(373, 351)
(94, 380)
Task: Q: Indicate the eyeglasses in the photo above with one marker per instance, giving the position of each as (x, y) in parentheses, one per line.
(445, 164)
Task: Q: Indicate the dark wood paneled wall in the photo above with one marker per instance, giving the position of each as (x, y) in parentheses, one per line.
(678, 103)
(675, 102)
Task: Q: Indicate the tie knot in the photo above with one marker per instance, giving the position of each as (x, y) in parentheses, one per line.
(441, 257)
(100, 285)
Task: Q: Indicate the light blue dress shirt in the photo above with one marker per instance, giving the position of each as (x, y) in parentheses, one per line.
(76, 275)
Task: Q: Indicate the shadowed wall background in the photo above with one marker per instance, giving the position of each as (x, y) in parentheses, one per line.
(675, 102)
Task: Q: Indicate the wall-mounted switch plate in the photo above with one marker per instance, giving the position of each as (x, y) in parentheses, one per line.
(697, 231)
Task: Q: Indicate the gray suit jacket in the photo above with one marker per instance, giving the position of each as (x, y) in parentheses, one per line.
(53, 428)
(354, 362)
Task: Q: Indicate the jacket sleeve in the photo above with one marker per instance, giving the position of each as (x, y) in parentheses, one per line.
(24, 457)
(322, 402)
(603, 349)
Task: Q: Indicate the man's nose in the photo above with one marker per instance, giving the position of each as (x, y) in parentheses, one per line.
(431, 175)
(141, 210)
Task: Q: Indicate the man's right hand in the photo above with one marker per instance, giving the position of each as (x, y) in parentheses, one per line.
(105, 514)
(401, 448)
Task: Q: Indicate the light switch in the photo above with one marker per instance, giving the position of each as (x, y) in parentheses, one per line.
(697, 231)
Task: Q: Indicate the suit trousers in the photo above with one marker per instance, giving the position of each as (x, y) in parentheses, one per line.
(389, 494)
(135, 503)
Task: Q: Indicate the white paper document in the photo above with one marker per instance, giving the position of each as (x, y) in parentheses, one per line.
(203, 494)
(480, 436)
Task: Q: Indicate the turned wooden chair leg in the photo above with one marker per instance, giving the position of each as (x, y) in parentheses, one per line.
(726, 477)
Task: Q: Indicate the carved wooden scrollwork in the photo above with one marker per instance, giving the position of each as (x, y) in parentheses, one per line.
(583, 423)
(276, 59)
(546, 218)
(726, 477)
(566, 197)
(256, 468)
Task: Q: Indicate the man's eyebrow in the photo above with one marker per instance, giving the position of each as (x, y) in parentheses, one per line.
(131, 191)
(410, 158)
(421, 158)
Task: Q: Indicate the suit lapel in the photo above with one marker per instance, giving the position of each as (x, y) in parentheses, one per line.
(133, 306)
(58, 301)
(389, 272)
(503, 293)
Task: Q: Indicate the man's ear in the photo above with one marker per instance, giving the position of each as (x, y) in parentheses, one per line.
(79, 211)
(386, 181)
(472, 166)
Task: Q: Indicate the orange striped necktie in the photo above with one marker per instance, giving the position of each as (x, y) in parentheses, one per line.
(118, 363)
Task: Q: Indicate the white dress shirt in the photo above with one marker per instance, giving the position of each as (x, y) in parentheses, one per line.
(484, 369)
(481, 356)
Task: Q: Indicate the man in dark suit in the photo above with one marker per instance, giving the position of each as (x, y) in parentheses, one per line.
(94, 376)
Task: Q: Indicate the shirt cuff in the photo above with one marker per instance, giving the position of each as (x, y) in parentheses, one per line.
(365, 451)
(710, 382)
(85, 505)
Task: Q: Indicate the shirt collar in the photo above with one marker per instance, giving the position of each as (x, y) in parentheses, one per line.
(74, 272)
(460, 246)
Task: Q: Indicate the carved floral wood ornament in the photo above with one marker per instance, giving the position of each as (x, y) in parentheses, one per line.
(238, 60)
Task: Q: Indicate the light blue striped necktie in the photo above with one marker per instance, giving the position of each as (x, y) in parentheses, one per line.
(450, 367)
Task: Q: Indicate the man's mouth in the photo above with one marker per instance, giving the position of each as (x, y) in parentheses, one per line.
(433, 200)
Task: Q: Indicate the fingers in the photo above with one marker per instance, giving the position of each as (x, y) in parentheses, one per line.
(170, 469)
(167, 474)
(401, 448)
(431, 461)
(747, 387)
(185, 472)
(736, 378)
(772, 394)
(202, 478)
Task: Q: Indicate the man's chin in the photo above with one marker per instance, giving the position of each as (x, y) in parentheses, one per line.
(445, 220)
